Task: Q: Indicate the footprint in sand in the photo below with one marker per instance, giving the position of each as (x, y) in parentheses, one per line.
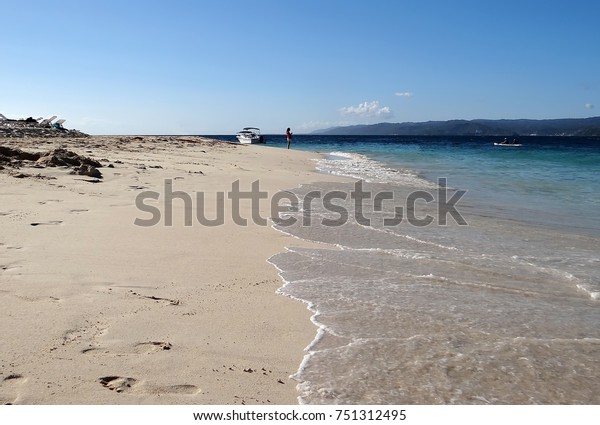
(76, 211)
(152, 347)
(139, 348)
(121, 384)
(157, 299)
(48, 223)
(10, 388)
(49, 200)
(83, 335)
(117, 383)
(5, 267)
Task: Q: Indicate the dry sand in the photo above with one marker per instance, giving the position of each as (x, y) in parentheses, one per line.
(97, 310)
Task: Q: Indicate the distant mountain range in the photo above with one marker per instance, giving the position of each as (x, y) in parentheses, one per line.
(522, 127)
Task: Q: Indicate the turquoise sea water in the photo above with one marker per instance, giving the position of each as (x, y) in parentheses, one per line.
(504, 309)
(554, 180)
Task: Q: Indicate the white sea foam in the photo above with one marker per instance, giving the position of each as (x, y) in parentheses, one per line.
(467, 306)
(359, 166)
(594, 295)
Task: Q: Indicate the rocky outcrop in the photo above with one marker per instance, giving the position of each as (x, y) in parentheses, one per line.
(62, 157)
(15, 158)
(87, 170)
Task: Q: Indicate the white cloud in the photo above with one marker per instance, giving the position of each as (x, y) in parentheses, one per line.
(367, 109)
(589, 106)
(404, 94)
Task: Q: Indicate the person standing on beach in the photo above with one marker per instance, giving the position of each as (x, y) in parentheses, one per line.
(288, 136)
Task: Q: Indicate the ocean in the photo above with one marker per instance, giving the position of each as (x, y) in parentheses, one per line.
(453, 271)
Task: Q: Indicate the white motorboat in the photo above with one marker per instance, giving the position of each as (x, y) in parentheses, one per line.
(510, 145)
(250, 135)
(514, 143)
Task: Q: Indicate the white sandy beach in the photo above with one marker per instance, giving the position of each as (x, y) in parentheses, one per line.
(97, 310)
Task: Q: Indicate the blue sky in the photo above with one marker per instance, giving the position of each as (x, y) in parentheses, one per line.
(212, 67)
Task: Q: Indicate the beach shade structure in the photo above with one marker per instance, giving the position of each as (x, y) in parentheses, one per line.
(2, 117)
(48, 121)
(59, 123)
